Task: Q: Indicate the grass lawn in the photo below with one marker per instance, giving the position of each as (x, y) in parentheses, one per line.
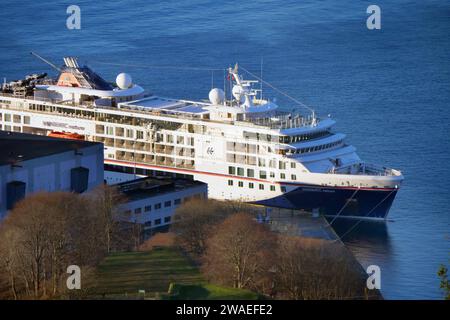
(125, 273)
(122, 275)
(210, 292)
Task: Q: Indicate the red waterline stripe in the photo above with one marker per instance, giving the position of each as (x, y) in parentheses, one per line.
(243, 178)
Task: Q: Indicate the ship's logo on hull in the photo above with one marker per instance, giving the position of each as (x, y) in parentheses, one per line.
(210, 151)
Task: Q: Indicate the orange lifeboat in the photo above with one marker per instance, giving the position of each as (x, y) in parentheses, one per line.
(66, 135)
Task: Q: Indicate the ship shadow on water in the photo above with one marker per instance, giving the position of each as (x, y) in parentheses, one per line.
(369, 241)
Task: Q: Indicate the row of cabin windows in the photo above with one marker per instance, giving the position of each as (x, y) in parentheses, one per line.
(130, 133)
(15, 118)
(251, 185)
(262, 173)
(317, 148)
(304, 137)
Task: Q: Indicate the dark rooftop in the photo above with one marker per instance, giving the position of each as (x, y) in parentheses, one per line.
(148, 187)
(16, 146)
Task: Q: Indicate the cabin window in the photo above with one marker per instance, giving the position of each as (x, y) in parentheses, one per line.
(139, 134)
(261, 186)
(230, 182)
(26, 119)
(293, 177)
(240, 171)
(263, 174)
(272, 188)
(283, 189)
(241, 184)
(293, 165)
(7, 117)
(251, 185)
(232, 170)
(250, 173)
(282, 176)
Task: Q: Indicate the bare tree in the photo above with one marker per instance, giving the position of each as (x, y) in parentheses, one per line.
(193, 222)
(239, 252)
(44, 234)
(316, 269)
(107, 201)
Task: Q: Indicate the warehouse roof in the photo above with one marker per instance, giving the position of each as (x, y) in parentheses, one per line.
(16, 146)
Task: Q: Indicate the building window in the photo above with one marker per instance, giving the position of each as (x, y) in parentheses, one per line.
(157, 206)
(263, 174)
(232, 170)
(167, 204)
(230, 182)
(251, 185)
(157, 222)
(148, 208)
(167, 219)
(148, 224)
(240, 171)
(137, 210)
(272, 188)
(128, 212)
(241, 184)
(261, 186)
(293, 177)
(177, 202)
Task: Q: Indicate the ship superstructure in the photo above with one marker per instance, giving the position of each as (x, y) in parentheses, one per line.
(245, 147)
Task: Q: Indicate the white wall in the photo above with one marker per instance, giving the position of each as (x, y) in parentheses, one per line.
(52, 173)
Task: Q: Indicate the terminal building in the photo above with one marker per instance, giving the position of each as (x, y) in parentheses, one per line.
(32, 163)
(152, 201)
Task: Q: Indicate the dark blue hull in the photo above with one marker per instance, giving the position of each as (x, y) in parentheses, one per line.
(363, 203)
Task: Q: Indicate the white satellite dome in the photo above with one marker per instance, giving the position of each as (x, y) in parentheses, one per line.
(216, 96)
(238, 93)
(124, 80)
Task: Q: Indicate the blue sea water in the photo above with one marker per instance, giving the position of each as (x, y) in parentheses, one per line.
(388, 89)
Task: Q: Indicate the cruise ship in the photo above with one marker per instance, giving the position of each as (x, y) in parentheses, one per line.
(245, 147)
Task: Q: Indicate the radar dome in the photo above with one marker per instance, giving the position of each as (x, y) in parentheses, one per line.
(216, 96)
(238, 93)
(124, 81)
